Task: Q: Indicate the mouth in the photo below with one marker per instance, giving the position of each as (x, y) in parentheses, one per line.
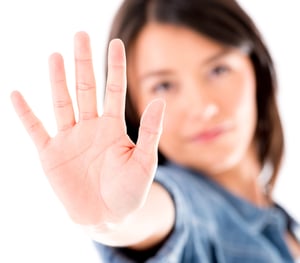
(208, 135)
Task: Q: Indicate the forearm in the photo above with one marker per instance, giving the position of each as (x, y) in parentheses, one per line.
(145, 228)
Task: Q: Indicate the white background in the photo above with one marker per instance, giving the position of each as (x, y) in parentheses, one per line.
(33, 224)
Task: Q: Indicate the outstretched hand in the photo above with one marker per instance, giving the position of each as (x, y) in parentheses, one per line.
(98, 173)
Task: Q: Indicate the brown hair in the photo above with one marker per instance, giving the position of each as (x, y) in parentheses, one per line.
(227, 23)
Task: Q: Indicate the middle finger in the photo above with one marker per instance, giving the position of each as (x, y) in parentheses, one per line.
(85, 79)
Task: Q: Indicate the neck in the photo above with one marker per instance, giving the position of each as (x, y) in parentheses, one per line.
(243, 180)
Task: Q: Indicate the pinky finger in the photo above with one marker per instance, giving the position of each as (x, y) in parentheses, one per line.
(31, 123)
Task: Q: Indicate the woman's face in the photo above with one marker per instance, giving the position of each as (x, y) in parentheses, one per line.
(209, 90)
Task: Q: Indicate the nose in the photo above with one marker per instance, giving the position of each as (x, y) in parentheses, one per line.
(200, 103)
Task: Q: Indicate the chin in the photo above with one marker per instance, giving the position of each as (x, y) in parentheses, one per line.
(215, 165)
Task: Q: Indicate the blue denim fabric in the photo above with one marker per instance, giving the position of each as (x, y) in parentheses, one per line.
(214, 226)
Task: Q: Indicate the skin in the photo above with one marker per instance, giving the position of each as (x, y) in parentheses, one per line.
(208, 88)
(113, 200)
(117, 201)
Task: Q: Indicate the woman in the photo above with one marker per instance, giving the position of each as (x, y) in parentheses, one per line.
(200, 76)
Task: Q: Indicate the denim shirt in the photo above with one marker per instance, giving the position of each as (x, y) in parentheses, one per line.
(214, 226)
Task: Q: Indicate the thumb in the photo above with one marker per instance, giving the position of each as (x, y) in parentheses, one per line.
(151, 127)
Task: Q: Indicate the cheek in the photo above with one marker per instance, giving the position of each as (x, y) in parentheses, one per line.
(243, 108)
(172, 124)
(241, 100)
(247, 102)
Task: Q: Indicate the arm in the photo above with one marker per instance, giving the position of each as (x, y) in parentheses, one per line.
(142, 230)
(102, 177)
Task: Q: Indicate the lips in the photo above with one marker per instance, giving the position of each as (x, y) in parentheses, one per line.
(208, 135)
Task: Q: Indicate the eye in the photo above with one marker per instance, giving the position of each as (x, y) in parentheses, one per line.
(163, 86)
(219, 70)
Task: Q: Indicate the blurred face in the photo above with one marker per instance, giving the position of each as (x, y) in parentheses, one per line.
(209, 91)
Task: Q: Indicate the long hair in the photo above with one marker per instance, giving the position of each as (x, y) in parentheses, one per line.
(227, 23)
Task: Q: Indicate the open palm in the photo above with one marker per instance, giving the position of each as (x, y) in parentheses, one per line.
(98, 173)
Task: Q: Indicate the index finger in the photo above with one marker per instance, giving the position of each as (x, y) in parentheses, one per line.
(114, 103)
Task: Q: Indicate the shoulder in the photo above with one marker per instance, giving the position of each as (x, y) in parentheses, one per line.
(194, 195)
(195, 187)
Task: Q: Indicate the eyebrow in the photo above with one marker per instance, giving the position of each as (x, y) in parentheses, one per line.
(155, 73)
(222, 53)
(163, 72)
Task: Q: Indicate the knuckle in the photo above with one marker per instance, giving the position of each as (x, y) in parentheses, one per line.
(82, 60)
(58, 82)
(84, 115)
(149, 130)
(116, 67)
(65, 127)
(113, 87)
(34, 127)
(85, 86)
(61, 103)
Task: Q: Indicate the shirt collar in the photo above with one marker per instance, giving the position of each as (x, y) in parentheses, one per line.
(257, 217)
